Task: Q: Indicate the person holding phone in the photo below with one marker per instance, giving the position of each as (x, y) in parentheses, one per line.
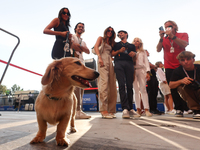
(172, 44)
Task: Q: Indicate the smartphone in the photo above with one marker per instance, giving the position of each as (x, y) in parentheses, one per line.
(161, 28)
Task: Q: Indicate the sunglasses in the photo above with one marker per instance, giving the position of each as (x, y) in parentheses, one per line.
(170, 26)
(64, 13)
(110, 31)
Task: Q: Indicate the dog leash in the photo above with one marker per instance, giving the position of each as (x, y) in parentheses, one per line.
(66, 47)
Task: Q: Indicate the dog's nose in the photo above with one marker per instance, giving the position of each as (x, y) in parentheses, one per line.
(96, 74)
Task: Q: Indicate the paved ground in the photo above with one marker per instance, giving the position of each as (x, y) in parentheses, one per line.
(164, 132)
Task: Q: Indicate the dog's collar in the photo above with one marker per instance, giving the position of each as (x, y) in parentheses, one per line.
(53, 98)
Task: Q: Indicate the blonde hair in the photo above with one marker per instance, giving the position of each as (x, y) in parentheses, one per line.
(140, 48)
(174, 24)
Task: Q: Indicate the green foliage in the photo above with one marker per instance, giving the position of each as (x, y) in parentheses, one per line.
(3, 89)
(8, 92)
(16, 87)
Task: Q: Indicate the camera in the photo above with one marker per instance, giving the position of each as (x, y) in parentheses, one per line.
(195, 85)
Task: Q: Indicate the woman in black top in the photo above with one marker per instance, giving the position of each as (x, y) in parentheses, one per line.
(61, 27)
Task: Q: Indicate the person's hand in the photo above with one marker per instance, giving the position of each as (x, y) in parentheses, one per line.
(169, 32)
(132, 54)
(161, 33)
(101, 62)
(64, 34)
(122, 49)
(186, 80)
(148, 77)
(165, 82)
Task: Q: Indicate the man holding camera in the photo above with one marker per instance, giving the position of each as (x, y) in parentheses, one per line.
(186, 79)
(172, 44)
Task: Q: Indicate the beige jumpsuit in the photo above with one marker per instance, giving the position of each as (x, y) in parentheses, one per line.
(107, 82)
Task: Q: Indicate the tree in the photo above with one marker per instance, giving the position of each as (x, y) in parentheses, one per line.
(8, 92)
(16, 87)
(3, 89)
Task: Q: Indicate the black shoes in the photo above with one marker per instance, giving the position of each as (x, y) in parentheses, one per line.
(156, 112)
(179, 113)
(196, 114)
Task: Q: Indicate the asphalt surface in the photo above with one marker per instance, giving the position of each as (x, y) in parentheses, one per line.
(164, 132)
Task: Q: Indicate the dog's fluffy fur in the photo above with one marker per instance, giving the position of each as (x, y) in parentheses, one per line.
(56, 103)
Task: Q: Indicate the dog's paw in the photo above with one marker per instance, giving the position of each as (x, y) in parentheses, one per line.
(73, 130)
(37, 139)
(62, 142)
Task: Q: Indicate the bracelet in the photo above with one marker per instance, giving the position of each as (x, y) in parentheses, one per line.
(98, 55)
(174, 37)
(161, 40)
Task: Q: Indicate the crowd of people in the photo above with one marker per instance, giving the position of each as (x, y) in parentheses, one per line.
(138, 79)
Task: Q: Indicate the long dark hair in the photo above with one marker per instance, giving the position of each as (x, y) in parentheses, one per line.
(111, 39)
(67, 23)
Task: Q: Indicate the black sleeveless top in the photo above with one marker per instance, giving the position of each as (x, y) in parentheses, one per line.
(58, 48)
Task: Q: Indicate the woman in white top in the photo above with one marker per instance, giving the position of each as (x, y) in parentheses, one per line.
(142, 74)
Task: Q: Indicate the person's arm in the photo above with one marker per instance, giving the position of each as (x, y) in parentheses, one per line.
(96, 48)
(121, 50)
(85, 48)
(54, 23)
(80, 48)
(159, 46)
(175, 84)
(181, 42)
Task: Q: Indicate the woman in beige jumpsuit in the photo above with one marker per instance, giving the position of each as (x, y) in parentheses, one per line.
(106, 81)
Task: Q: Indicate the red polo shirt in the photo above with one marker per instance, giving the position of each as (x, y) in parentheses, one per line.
(170, 60)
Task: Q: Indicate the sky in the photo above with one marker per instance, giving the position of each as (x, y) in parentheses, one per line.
(28, 18)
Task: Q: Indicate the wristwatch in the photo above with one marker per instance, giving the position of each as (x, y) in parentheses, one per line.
(174, 37)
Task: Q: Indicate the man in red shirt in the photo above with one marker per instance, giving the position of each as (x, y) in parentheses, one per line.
(172, 44)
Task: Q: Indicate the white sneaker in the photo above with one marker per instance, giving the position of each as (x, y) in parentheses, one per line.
(172, 112)
(190, 112)
(125, 114)
(81, 115)
(187, 112)
(196, 116)
(133, 113)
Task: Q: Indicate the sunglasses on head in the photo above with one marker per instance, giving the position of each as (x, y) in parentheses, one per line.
(64, 13)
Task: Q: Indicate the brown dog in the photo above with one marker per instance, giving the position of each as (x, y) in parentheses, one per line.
(56, 103)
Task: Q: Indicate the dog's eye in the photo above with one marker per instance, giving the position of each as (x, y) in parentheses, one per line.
(78, 63)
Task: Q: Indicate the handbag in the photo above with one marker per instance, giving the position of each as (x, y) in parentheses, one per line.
(100, 49)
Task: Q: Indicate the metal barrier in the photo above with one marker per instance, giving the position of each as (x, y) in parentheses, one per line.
(10, 55)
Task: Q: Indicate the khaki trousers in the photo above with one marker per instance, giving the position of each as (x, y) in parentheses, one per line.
(192, 97)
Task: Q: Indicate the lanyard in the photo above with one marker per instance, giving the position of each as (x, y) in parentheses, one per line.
(171, 48)
(188, 75)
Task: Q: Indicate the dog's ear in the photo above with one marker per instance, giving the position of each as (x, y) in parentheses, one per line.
(53, 71)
